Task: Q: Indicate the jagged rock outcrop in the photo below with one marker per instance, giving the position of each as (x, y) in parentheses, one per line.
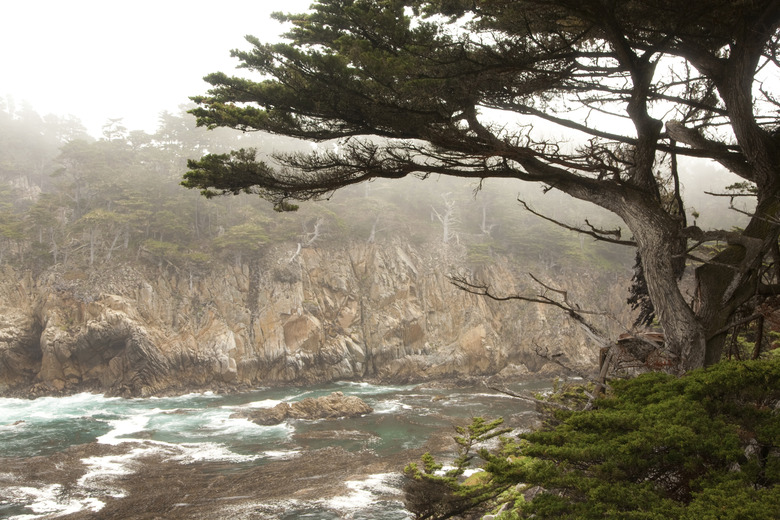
(384, 312)
(333, 406)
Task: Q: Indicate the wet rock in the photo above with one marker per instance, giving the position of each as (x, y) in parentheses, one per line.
(265, 416)
(333, 406)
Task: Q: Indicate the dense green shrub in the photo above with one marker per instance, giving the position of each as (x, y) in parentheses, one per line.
(702, 446)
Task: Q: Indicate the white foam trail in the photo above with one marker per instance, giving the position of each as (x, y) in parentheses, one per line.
(48, 500)
(183, 397)
(133, 424)
(390, 407)
(364, 493)
(52, 407)
(265, 403)
(103, 470)
(182, 452)
(364, 388)
(208, 452)
(280, 454)
(491, 396)
(244, 427)
(221, 424)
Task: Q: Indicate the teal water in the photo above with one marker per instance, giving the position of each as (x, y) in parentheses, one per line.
(197, 428)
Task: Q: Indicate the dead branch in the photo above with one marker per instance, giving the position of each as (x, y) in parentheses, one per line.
(601, 384)
(737, 323)
(730, 195)
(554, 358)
(572, 309)
(528, 398)
(598, 234)
(730, 237)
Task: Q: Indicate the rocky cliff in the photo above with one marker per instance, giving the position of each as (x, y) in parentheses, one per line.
(358, 311)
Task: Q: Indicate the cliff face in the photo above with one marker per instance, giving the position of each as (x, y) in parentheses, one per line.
(382, 312)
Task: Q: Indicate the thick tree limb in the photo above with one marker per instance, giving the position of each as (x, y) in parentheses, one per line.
(720, 152)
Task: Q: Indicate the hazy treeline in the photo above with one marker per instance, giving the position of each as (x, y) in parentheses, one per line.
(67, 198)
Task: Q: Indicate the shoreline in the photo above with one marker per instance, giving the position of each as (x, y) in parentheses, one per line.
(36, 390)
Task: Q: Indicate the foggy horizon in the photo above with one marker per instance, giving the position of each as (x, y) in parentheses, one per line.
(98, 61)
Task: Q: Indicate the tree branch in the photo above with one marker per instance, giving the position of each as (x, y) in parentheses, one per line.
(717, 150)
(573, 310)
(598, 234)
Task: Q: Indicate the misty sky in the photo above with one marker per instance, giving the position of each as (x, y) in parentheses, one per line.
(100, 59)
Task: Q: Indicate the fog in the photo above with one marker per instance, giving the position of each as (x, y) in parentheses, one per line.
(98, 60)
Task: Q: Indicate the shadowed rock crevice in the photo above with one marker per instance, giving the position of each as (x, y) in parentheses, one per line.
(20, 350)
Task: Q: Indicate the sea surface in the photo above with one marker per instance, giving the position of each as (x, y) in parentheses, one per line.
(90, 456)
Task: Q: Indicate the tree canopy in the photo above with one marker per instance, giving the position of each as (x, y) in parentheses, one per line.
(600, 99)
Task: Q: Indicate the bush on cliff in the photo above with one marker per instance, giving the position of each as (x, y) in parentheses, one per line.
(702, 446)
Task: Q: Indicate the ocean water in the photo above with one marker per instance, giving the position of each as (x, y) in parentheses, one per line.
(196, 431)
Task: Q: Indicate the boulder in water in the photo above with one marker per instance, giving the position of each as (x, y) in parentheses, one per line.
(333, 406)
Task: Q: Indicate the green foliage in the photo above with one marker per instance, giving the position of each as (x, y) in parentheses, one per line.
(218, 174)
(432, 492)
(564, 397)
(246, 238)
(119, 200)
(163, 250)
(702, 446)
(479, 254)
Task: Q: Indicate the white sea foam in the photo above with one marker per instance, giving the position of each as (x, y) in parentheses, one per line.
(185, 452)
(491, 396)
(182, 397)
(265, 403)
(208, 452)
(47, 408)
(222, 425)
(364, 388)
(390, 407)
(126, 426)
(48, 500)
(239, 427)
(102, 471)
(281, 454)
(365, 493)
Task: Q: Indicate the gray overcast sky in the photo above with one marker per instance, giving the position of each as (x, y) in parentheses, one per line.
(100, 59)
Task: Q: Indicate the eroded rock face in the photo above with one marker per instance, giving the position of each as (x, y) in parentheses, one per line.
(382, 312)
(333, 406)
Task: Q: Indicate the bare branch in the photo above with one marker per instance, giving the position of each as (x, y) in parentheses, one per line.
(573, 310)
(730, 195)
(555, 358)
(598, 234)
(506, 391)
